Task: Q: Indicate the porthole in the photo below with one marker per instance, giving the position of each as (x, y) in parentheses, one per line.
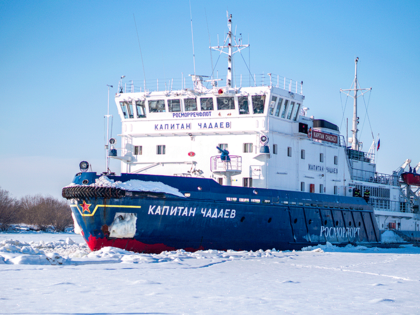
(336, 223)
(349, 223)
(325, 222)
(242, 219)
(310, 221)
(269, 220)
(85, 182)
(360, 223)
(295, 221)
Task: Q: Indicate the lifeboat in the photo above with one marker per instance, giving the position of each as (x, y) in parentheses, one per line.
(411, 178)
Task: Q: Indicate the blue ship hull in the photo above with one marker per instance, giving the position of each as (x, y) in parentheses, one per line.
(217, 217)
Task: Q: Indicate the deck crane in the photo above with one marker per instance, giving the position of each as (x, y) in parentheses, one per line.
(401, 169)
(416, 168)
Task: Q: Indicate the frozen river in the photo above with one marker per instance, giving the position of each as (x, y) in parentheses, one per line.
(57, 274)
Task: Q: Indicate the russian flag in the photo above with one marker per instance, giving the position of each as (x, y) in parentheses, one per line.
(379, 145)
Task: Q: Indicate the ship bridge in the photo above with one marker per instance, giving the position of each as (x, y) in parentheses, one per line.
(176, 131)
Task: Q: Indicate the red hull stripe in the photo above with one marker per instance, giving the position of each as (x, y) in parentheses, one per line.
(95, 243)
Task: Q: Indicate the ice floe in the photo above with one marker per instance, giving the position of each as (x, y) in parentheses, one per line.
(68, 252)
(391, 237)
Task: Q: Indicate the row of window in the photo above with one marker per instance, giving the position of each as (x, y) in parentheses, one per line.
(284, 108)
(312, 189)
(193, 104)
(160, 149)
(302, 155)
(247, 148)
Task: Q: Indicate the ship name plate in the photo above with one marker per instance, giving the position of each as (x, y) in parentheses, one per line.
(339, 231)
(318, 135)
(191, 212)
(201, 125)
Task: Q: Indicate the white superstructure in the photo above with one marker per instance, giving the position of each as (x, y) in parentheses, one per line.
(271, 142)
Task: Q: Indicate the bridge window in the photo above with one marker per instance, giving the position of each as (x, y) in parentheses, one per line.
(206, 103)
(292, 105)
(321, 157)
(302, 154)
(225, 103)
(124, 109)
(296, 113)
(335, 190)
(243, 105)
(289, 151)
(138, 150)
(130, 109)
(157, 106)
(190, 104)
(274, 148)
(248, 147)
(321, 188)
(174, 105)
(283, 112)
(141, 109)
(335, 159)
(247, 182)
(302, 186)
(161, 149)
(278, 107)
(258, 104)
(273, 104)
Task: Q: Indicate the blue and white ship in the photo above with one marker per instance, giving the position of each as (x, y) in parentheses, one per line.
(212, 166)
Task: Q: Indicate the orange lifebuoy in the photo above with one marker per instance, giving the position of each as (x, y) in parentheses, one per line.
(220, 91)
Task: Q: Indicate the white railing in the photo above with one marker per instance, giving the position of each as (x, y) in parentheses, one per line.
(234, 165)
(135, 86)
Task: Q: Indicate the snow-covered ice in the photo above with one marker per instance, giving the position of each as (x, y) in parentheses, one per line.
(56, 273)
(135, 185)
(391, 237)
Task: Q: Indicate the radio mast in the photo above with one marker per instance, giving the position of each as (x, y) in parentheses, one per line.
(355, 144)
(230, 53)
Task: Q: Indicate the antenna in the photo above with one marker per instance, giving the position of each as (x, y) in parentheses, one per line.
(230, 53)
(141, 55)
(107, 132)
(355, 145)
(211, 55)
(192, 35)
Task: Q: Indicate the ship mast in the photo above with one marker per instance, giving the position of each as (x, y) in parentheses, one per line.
(230, 53)
(355, 144)
(229, 73)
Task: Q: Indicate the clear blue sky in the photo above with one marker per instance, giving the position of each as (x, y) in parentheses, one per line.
(56, 58)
